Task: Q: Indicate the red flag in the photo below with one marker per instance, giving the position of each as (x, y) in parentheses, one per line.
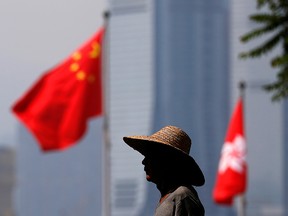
(57, 107)
(232, 170)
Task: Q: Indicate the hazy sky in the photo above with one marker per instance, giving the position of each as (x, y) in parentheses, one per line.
(36, 35)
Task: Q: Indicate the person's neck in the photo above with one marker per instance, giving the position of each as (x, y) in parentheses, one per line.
(166, 189)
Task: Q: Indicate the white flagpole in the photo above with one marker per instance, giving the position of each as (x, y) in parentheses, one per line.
(106, 167)
(241, 207)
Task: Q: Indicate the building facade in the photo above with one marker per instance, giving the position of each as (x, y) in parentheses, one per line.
(59, 183)
(7, 180)
(196, 73)
(169, 63)
(179, 50)
(264, 119)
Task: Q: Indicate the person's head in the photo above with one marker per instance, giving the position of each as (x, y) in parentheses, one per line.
(167, 156)
(163, 165)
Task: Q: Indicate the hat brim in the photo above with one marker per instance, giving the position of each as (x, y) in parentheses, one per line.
(145, 145)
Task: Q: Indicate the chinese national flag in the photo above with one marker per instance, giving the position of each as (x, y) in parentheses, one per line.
(232, 171)
(57, 107)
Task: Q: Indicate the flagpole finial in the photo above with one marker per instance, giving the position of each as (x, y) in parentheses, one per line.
(106, 14)
(242, 85)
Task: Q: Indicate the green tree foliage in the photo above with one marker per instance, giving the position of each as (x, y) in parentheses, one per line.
(275, 22)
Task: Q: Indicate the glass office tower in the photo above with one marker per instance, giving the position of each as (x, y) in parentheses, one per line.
(59, 183)
(130, 100)
(169, 62)
(192, 76)
(265, 130)
(196, 71)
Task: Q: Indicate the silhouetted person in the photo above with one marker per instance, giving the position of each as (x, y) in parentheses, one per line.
(167, 164)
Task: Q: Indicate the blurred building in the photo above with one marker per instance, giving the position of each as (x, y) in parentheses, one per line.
(7, 180)
(67, 183)
(131, 98)
(196, 71)
(170, 62)
(265, 125)
(179, 51)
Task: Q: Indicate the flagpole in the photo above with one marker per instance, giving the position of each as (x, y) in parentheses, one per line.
(241, 207)
(106, 167)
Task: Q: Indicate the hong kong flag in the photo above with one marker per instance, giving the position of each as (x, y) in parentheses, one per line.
(232, 170)
(57, 107)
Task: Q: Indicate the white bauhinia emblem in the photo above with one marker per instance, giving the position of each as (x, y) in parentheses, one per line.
(233, 155)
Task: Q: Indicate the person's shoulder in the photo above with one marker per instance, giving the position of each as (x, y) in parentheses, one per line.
(184, 191)
(188, 197)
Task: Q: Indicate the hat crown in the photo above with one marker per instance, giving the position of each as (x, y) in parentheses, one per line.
(173, 136)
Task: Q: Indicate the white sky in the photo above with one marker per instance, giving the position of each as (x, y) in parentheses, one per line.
(34, 36)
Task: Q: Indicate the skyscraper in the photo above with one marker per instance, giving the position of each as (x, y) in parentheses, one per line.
(169, 62)
(264, 120)
(59, 183)
(192, 76)
(7, 180)
(196, 72)
(179, 51)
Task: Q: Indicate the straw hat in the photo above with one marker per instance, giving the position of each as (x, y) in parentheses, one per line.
(173, 139)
